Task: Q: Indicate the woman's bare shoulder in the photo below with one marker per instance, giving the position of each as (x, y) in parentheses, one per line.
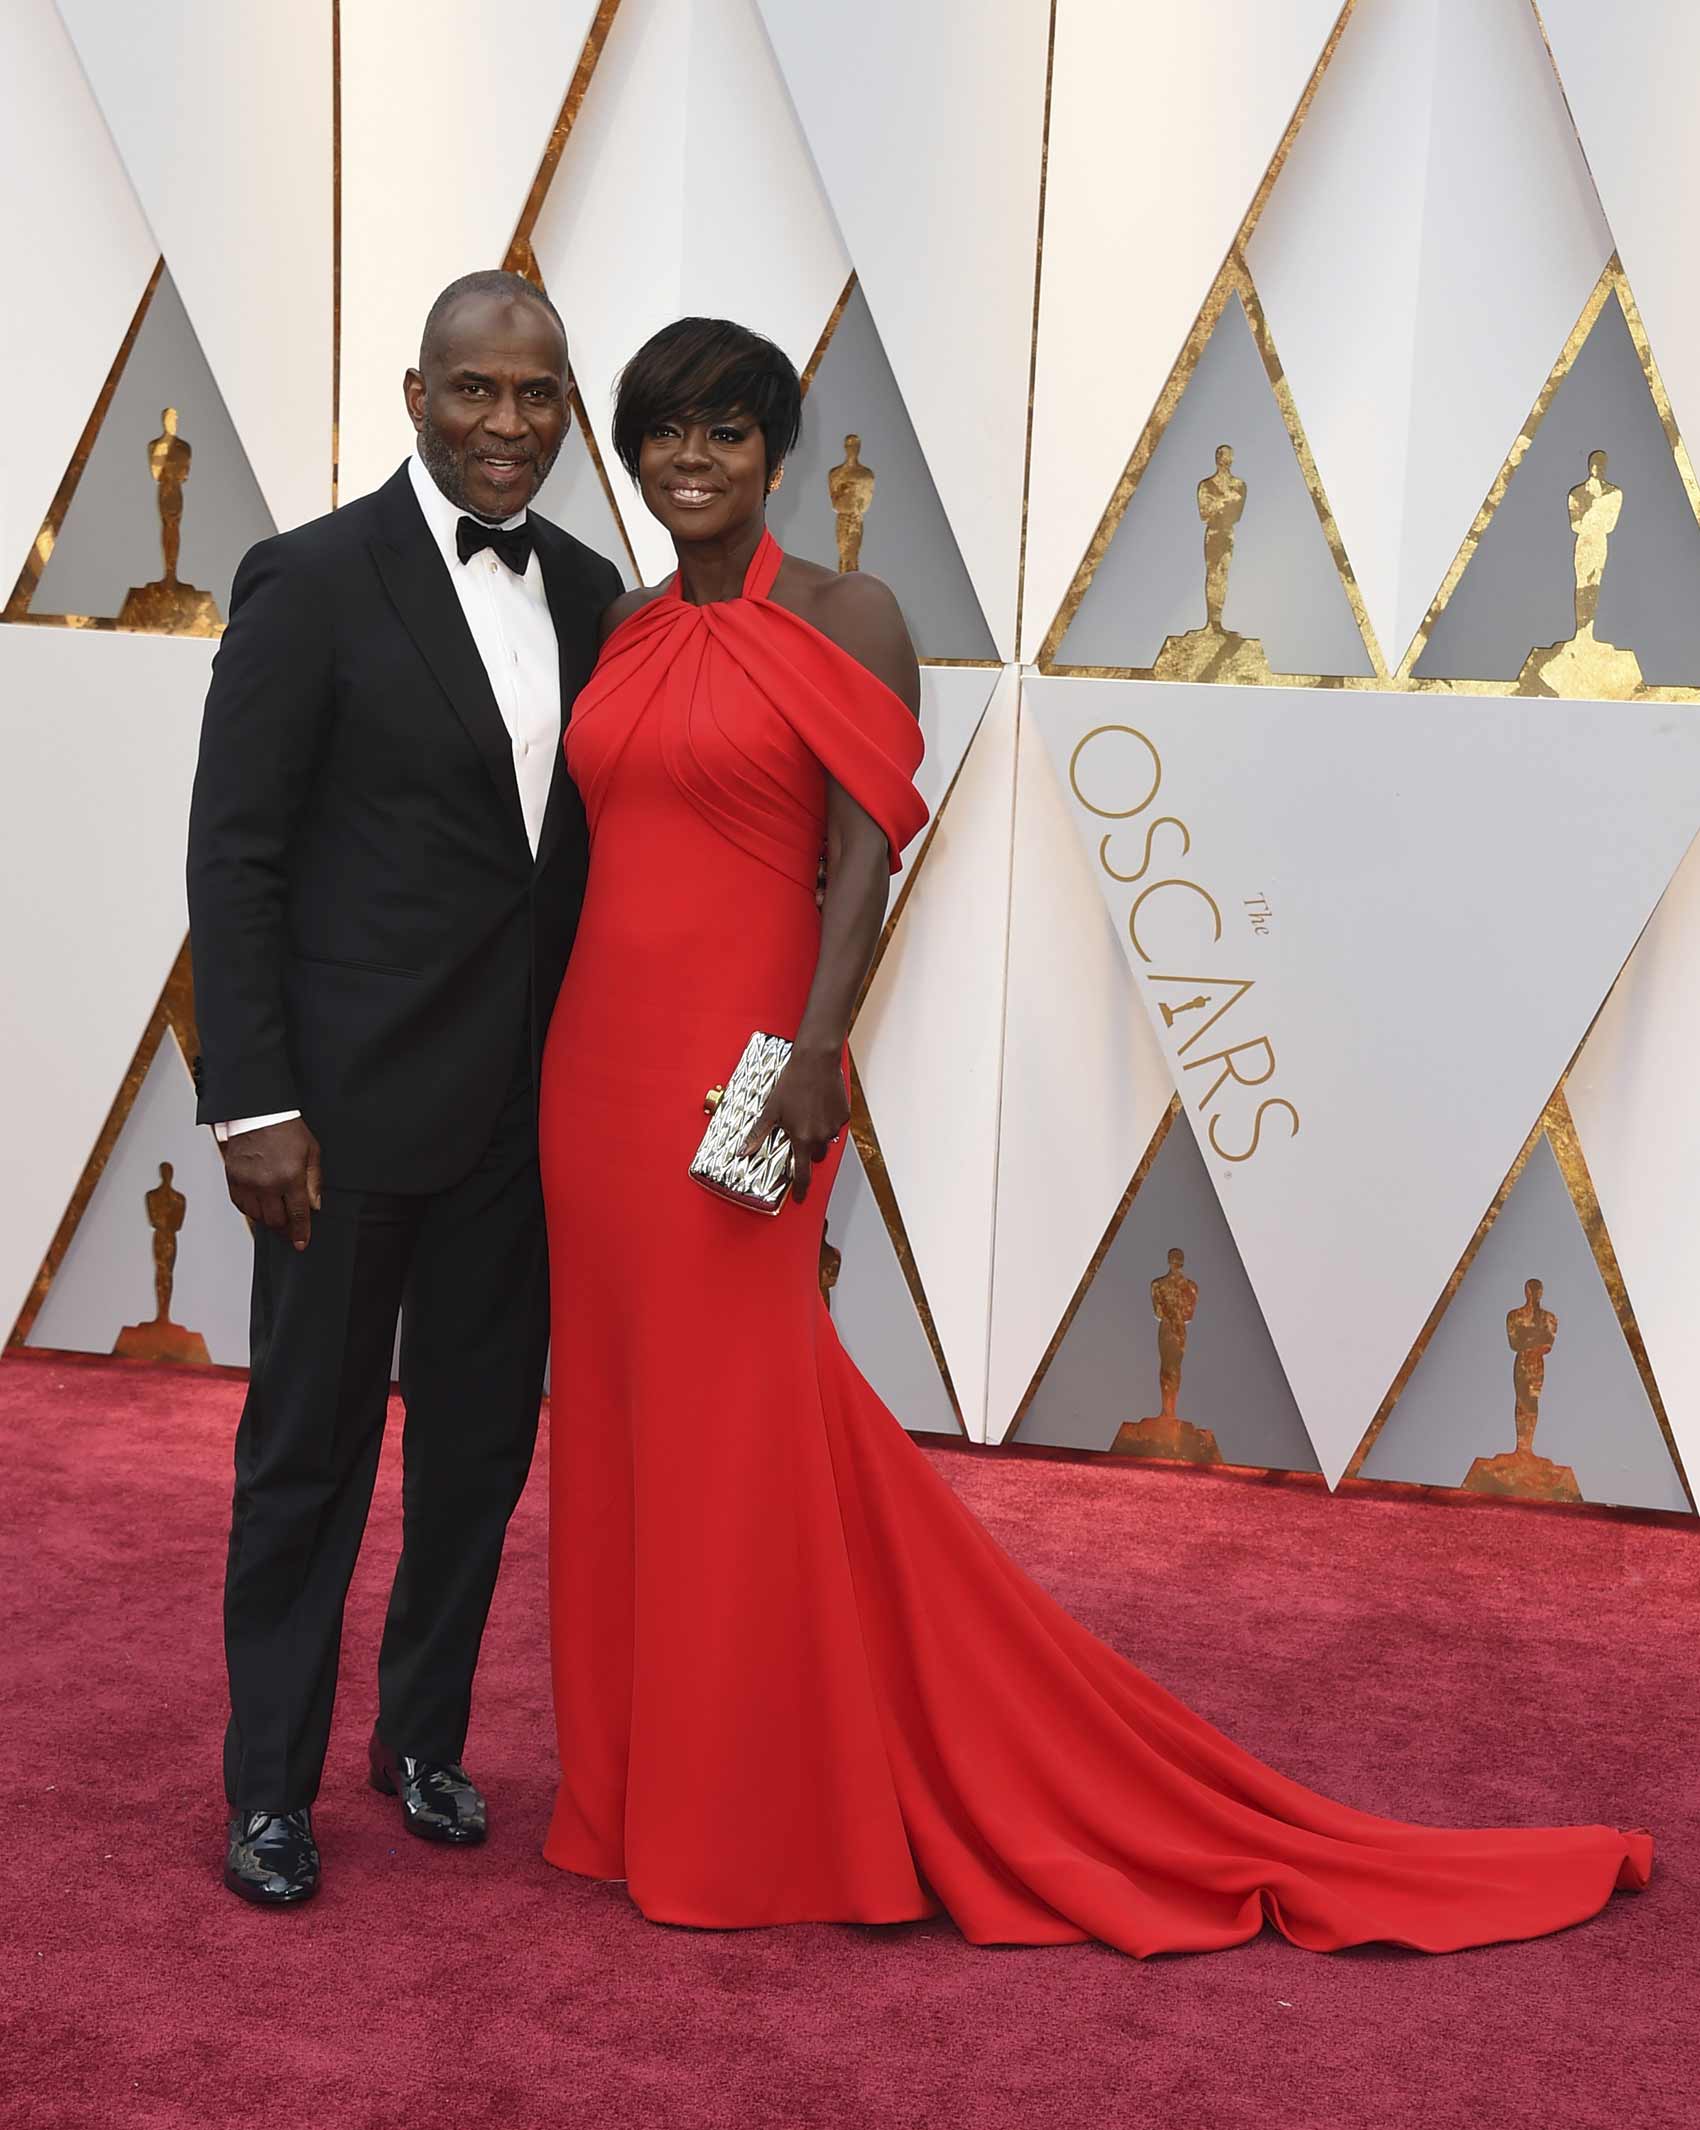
(861, 615)
(628, 604)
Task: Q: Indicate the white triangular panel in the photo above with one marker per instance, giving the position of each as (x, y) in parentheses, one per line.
(223, 118)
(927, 1047)
(1406, 895)
(953, 701)
(1629, 74)
(1632, 1096)
(1163, 122)
(663, 207)
(417, 214)
(926, 126)
(1423, 255)
(70, 207)
(98, 733)
(1084, 1083)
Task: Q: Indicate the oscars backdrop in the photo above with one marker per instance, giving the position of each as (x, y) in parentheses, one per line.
(1271, 421)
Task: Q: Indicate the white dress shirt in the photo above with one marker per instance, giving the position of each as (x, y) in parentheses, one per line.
(515, 634)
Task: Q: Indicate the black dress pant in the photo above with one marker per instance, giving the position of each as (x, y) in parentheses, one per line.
(467, 1270)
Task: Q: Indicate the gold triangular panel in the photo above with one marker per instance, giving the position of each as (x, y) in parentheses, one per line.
(520, 257)
(1577, 577)
(577, 496)
(1526, 1388)
(172, 1022)
(879, 1305)
(873, 1292)
(160, 503)
(158, 1266)
(872, 504)
(1165, 1355)
(1225, 564)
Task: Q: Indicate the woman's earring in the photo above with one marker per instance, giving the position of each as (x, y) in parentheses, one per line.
(778, 476)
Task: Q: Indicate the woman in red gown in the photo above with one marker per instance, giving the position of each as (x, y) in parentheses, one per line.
(794, 1679)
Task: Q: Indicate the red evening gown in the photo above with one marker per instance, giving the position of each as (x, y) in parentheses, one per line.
(794, 1679)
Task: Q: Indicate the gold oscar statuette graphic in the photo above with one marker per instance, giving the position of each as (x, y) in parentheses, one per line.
(1174, 1301)
(1213, 652)
(851, 487)
(168, 607)
(162, 1340)
(1530, 1333)
(831, 1264)
(1582, 665)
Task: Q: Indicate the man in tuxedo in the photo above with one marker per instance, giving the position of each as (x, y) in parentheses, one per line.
(386, 863)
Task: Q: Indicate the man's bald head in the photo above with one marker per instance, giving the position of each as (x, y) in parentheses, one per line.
(493, 281)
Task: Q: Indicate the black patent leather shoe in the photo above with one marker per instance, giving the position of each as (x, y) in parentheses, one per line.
(272, 1859)
(438, 1802)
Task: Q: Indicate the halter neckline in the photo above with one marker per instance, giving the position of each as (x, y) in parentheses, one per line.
(758, 578)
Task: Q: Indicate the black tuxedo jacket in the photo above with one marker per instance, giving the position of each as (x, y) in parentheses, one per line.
(371, 936)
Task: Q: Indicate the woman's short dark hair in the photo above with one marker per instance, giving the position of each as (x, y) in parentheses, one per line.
(697, 368)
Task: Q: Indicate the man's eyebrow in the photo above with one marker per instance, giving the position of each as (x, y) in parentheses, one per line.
(464, 373)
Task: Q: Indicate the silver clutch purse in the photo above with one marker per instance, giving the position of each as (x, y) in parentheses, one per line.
(762, 1179)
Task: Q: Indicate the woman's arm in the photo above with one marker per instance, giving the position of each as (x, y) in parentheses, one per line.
(809, 1103)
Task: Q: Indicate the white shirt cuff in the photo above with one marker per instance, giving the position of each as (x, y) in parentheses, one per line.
(222, 1132)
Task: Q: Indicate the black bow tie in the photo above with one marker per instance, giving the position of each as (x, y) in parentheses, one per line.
(514, 547)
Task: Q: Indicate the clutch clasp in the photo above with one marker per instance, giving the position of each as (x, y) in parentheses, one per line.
(712, 1100)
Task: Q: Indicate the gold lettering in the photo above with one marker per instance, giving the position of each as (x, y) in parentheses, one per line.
(1256, 1129)
(1230, 1071)
(1191, 887)
(1115, 813)
(1162, 821)
(1240, 986)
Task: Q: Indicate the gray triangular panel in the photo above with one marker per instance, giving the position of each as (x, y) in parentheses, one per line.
(1106, 1369)
(1283, 586)
(573, 497)
(106, 1280)
(111, 536)
(874, 1312)
(1594, 1414)
(1518, 590)
(906, 537)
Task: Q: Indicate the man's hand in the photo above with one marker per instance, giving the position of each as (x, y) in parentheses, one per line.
(274, 1177)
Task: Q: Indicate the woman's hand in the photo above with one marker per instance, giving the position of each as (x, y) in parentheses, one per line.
(810, 1106)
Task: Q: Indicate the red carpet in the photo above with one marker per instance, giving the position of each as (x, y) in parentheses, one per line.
(1434, 1662)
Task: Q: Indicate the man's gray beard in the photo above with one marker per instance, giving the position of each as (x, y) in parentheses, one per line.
(444, 468)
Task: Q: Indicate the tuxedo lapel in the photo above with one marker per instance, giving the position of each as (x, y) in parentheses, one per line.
(418, 582)
(574, 608)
